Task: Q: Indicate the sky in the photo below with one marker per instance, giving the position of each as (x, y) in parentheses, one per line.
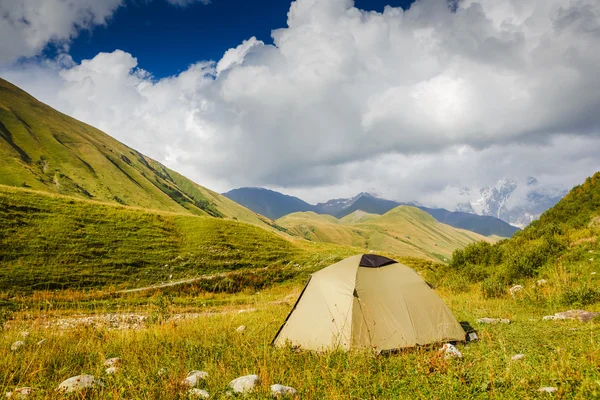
(413, 101)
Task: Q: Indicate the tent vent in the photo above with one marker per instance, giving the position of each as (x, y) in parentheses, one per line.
(375, 261)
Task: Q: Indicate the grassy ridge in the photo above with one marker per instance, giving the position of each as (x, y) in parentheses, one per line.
(46, 150)
(403, 230)
(51, 241)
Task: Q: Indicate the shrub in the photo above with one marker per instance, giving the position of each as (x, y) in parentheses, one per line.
(493, 287)
(582, 295)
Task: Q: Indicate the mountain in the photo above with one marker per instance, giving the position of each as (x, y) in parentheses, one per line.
(262, 200)
(403, 230)
(268, 202)
(516, 202)
(45, 150)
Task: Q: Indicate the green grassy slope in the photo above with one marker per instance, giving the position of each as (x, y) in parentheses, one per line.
(43, 149)
(53, 241)
(565, 237)
(403, 230)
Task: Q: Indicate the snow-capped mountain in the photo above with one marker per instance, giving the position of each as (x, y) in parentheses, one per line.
(516, 202)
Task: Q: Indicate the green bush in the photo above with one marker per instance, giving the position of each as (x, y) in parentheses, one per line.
(493, 287)
(580, 296)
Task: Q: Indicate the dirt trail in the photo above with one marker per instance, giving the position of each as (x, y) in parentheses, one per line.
(175, 283)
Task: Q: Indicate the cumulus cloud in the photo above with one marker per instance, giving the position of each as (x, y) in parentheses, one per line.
(412, 104)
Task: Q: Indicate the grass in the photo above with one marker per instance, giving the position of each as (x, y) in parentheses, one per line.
(55, 242)
(564, 354)
(402, 230)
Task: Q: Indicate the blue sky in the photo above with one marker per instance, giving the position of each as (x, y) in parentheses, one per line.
(166, 38)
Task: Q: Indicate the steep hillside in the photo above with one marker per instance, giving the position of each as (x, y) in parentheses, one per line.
(53, 241)
(563, 237)
(268, 202)
(45, 150)
(403, 230)
(276, 205)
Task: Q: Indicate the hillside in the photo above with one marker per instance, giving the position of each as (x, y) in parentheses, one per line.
(275, 205)
(43, 149)
(266, 202)
(53, 241)
(403, 230)
(562, 238)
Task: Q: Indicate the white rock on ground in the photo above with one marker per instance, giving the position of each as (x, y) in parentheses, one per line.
(581, 315)
(24, 334)
(541, 282)
(241, 328)
(112, 362)
(451, 351)
(111, 370)
(515, 289)
(493, 321)
(41, 342)
(77, 383)
(517, 357)
(194, 377)
(281, 390)
(244, 384)
(20, 393)
(198, 393)
(547, 389)
(17, 345)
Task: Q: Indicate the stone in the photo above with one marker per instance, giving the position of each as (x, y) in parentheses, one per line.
(493, 321)
(198, 393)
(450, 351)
(77, 383)
(41, 342)
(541, 282)
(593, 273)
(17, 345)
(580, 315)
(111, 370)
(241, 328)
(194, 377)
(547, 389)
(281, 390)
(112, 362)
(24, 334)
(472, 337)
(517, 357)
(244, 384)
(20, 393)
(515, 289)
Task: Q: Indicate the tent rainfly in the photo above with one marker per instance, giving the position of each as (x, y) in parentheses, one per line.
(368, 301)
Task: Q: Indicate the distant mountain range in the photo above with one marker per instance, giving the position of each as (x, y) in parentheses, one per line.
(275, 205)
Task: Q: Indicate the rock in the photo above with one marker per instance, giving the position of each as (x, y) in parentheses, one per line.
(244, 384)
(241, 328)
(194, 377)
(24, 334)
(581, 315)
(41, 342)
(20, 393)
(515, 289)
(246, 310)
(472, 337)
(77, 383)
(547, 389)
(17, 345)
(517, 357)
(281, 390)
(199, 393)
(111, 370)
(493, 321)
(591, 259)
(593, 273)
(541, 282)
(112, 362)
(451, 351)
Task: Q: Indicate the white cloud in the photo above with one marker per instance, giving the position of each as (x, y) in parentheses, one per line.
(411, 104)
(26, 26)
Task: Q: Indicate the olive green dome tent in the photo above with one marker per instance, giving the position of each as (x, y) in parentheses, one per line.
(368, 301)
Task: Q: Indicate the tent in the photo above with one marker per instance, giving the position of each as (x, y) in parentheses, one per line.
(368, 301)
